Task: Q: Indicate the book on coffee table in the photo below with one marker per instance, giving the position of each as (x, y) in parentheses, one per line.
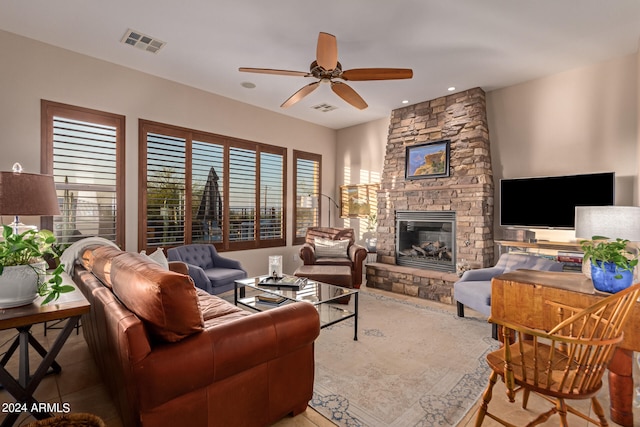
(284, 282)
(270, 299)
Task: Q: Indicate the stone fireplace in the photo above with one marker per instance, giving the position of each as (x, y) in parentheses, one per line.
(415, 256)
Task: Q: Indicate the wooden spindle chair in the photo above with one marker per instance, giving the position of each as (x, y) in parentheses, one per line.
(567, 362)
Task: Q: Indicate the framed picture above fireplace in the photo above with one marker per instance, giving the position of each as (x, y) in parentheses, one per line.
(430, 160)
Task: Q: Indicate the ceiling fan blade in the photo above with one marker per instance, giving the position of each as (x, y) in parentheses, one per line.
(347, 93)
(327, 51)
(306, 90)
(377, 74)
(271, 71)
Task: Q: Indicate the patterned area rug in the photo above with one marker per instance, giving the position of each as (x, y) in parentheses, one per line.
(414, 364)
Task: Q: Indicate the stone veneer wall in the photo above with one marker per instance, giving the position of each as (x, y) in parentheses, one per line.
(468, 191)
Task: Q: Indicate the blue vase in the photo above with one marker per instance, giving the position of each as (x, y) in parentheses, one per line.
(606, 281)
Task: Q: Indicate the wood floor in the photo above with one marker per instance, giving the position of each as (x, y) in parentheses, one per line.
(80, 386)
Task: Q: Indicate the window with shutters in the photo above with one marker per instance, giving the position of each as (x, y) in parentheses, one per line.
(84, 151)
(204, 188)
(307, 190)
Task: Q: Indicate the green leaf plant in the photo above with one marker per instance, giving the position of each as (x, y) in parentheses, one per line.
(31, 247)
(601, 248)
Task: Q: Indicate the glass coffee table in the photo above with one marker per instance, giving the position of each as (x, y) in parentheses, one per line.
(326, 298)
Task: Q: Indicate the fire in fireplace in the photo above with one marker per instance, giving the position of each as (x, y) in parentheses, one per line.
(426, 239)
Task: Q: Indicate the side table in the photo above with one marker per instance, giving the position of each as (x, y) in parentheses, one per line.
(69, 306)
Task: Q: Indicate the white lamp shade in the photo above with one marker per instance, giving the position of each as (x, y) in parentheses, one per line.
(614, 222)
(308, 202)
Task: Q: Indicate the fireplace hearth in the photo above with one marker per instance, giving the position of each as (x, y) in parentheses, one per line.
(426, 239)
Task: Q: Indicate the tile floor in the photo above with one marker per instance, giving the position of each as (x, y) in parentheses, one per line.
(80, 386)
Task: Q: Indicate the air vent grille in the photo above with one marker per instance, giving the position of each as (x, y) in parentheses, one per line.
(142, 41)
(324, 107)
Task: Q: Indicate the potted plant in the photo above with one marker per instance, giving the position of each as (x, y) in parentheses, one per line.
(23, 268)
(612, 263)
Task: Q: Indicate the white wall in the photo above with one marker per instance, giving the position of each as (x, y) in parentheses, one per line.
(580, 121)
(359, 159)
(32, 71)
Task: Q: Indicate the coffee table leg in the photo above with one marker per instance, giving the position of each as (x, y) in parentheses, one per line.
(355, 321)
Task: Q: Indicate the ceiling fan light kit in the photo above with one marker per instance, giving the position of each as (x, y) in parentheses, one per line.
(326, 68)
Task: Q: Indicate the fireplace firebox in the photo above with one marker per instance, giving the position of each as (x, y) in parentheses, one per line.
(426, 239)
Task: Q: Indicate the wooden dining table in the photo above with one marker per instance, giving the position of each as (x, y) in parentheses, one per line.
(519, 296)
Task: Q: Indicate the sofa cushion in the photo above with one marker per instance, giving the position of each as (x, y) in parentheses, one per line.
(215, 310)
(326, 248)
(166, 301)
(98, 261)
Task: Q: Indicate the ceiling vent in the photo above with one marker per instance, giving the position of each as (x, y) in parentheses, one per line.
(325, 108)
(142, 41)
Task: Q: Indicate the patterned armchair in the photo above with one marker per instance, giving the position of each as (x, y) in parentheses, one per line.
(334, 246)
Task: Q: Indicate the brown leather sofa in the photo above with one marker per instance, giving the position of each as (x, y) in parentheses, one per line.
(172, 354)
(353, 258)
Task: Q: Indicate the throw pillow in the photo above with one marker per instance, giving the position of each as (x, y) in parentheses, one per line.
(158, 257)
(326, 248)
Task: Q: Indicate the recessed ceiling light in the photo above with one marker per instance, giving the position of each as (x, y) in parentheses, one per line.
(451, 88)
(248, 85)
(405, 101)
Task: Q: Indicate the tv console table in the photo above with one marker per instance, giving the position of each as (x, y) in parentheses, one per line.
(542, 244)
(570, 260)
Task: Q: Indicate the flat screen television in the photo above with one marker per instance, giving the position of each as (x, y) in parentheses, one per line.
(549, 202)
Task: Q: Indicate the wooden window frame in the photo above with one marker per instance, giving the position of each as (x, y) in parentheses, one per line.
(146, 126)
(49, 109)
(303, 155)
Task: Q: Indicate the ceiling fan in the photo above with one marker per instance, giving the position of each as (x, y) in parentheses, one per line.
(326, 68)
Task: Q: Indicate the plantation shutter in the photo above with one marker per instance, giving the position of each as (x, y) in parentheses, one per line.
(84, 170)
(242, 194)
(207, 187)
(272, 197)
(307, 192)
(166, 187)
(198, 187)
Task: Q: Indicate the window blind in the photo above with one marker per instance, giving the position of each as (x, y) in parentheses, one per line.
(166, 188)
(272, 197)
(307, 191)
(207, 188)
(84, 170)
(242, 194)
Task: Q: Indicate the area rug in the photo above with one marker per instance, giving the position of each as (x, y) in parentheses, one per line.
(414, 364)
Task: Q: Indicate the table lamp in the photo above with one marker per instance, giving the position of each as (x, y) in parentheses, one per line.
(609, 221)
(613, 222)
(27, 194)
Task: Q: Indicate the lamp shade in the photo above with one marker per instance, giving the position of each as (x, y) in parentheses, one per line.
(27, 194)
(308, 201)
(614, 222)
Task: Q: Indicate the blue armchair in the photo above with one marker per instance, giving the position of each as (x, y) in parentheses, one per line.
(474, 287)
(209, 271)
